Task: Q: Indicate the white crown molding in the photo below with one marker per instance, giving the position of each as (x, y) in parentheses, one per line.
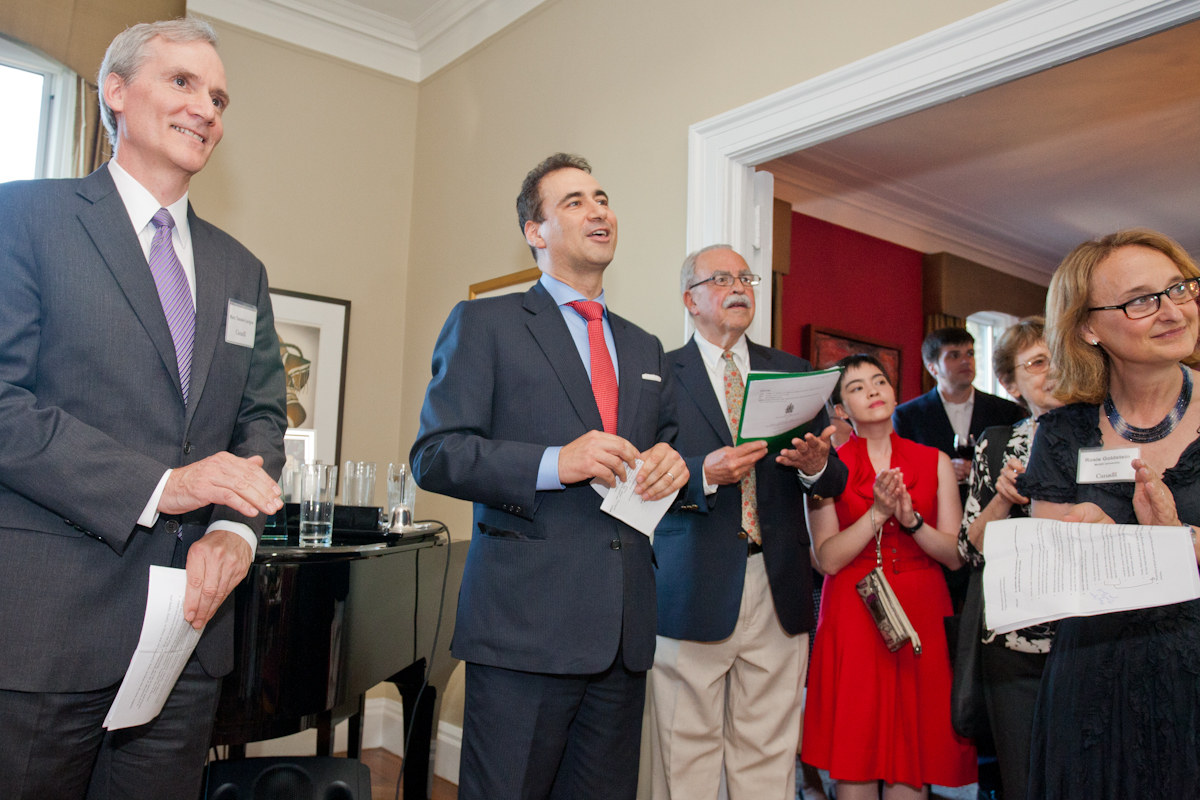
(999, 44)
(362, 36)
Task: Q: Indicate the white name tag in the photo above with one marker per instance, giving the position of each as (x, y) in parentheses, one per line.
(1097, 465)
(239, 323)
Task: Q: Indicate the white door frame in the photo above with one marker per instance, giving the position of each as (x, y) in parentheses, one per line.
(726, 200)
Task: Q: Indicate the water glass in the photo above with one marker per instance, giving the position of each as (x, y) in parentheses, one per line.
(318, 482)
(366, 483)
(401, 490)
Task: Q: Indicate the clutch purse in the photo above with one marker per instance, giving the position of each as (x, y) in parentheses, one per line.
(884, 606)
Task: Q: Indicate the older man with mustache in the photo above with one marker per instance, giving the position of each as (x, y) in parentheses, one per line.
(734, 582)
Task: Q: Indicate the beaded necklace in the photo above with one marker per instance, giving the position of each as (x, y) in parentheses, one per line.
(1160, 431)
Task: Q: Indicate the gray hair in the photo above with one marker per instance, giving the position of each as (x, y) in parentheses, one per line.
(687, 275)
(127, 53)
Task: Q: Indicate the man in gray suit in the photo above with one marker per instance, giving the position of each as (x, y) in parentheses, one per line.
(141, 423)
(533, 396)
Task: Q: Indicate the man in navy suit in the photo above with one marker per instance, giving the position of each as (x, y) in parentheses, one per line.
(735, 580)
(533, 397)
(953, 406)
(142, 412)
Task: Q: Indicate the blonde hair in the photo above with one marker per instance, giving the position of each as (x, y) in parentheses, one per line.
(1080, 370)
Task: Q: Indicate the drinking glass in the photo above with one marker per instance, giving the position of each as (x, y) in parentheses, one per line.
(366, 483)
(318, 482)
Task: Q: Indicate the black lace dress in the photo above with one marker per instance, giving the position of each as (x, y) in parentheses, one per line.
(1118, 714)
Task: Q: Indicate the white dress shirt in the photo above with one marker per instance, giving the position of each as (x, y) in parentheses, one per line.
(714, 362)
(141, 206)
(960, 413)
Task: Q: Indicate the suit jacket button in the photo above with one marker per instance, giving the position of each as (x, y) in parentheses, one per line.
(741, 534)
(615, 544)
(172, 527)
(187, 448)
(516, 510)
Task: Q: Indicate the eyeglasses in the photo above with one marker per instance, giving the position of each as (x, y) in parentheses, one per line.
(724, 279)
(1036, 366)
(1148, 304)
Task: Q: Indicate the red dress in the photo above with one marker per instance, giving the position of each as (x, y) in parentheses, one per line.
(872, 714)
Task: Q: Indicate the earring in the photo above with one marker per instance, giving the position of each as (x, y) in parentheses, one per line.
(1095, 342)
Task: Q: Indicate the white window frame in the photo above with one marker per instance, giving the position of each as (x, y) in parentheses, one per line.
(56, 131)
(987, 327)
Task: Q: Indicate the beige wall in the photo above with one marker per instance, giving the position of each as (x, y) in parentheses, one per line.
(619, 83)
(315, 176)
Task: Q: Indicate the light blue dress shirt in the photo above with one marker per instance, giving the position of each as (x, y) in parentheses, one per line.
(547, 479)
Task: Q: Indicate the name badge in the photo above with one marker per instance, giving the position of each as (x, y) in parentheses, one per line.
(1097, 465)
(239, 323)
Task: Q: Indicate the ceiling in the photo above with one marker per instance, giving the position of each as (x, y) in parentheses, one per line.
(410, 39)
(1017, 175)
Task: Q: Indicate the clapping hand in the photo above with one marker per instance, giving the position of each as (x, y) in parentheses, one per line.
(1152, 500)
(1006, 483)
(889, 486)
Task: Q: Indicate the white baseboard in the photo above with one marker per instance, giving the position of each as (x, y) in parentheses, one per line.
(383, 726)
(449, 751)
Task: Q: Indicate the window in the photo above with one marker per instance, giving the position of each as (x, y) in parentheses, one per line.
(987, 327)
(37, 136)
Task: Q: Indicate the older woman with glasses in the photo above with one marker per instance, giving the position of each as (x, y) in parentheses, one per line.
(1012, 663)
(1118, 715)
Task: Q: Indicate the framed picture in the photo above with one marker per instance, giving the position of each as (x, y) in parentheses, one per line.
(512, 282)
(300, 445)
(825, 347)
(314, 334)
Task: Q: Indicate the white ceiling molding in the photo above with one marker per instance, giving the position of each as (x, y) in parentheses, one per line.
(346, 30)
(1000, 44)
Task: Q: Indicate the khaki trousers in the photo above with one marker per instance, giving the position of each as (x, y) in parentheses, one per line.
(734, 702)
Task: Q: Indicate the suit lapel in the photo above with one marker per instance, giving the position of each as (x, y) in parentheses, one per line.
(107, 223)
(210, 292)
(551, 333)
(693, 377)
(943, 430)
(630, 384)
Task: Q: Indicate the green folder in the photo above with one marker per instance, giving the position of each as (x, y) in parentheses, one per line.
(781, 440)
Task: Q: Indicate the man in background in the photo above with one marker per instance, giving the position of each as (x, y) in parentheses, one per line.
(735, 600)
(533, 397)
(142, 420)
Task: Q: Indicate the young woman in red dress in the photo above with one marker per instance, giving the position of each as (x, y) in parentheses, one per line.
(871, 714)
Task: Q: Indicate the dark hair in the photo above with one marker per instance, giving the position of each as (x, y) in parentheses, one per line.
(931, 348)
(529, 201)
(856, 360)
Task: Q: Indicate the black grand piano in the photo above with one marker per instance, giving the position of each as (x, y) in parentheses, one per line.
(316, 627)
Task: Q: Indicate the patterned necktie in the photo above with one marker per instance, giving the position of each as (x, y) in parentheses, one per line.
(604, 377)
(735, 391)
(174, 294)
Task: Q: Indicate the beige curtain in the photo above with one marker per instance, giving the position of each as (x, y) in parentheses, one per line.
(76, 33)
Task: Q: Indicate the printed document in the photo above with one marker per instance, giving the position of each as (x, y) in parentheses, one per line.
(166, 643)
(624, 504)
(779, 405)
(1040, 570)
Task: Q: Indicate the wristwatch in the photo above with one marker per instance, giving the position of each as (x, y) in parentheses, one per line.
(916, 526)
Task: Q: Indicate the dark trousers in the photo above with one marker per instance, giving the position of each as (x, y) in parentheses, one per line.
(531, 736)
(1010, 689)
(52, 745)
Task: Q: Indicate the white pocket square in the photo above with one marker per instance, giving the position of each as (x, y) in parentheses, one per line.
(646, 376)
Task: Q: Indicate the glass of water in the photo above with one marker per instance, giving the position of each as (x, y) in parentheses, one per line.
(318, 483)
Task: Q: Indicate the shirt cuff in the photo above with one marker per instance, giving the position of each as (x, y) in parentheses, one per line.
(239, 528)
(547, 479)
(708, 487)
(150, 512)
(809, 480)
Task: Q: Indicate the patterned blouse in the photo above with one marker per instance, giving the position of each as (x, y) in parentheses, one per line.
(1036, 638)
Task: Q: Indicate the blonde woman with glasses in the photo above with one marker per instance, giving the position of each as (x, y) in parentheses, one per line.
(1118, 714)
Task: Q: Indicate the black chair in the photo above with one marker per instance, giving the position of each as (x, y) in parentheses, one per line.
(288, 778)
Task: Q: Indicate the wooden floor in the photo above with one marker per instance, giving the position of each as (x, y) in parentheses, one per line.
(385, 769)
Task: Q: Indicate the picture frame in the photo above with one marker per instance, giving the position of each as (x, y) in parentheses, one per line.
(314, 338)
(512, 279)
(826, 346)
(300, 444)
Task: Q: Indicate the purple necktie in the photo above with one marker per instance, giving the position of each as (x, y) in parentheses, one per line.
(175, 295)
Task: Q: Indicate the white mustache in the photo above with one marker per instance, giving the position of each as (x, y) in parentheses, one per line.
(736, 300)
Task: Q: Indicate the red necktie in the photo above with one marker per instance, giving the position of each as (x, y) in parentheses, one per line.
(604, 377)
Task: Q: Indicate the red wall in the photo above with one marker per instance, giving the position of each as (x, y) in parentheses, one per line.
(857, 284)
